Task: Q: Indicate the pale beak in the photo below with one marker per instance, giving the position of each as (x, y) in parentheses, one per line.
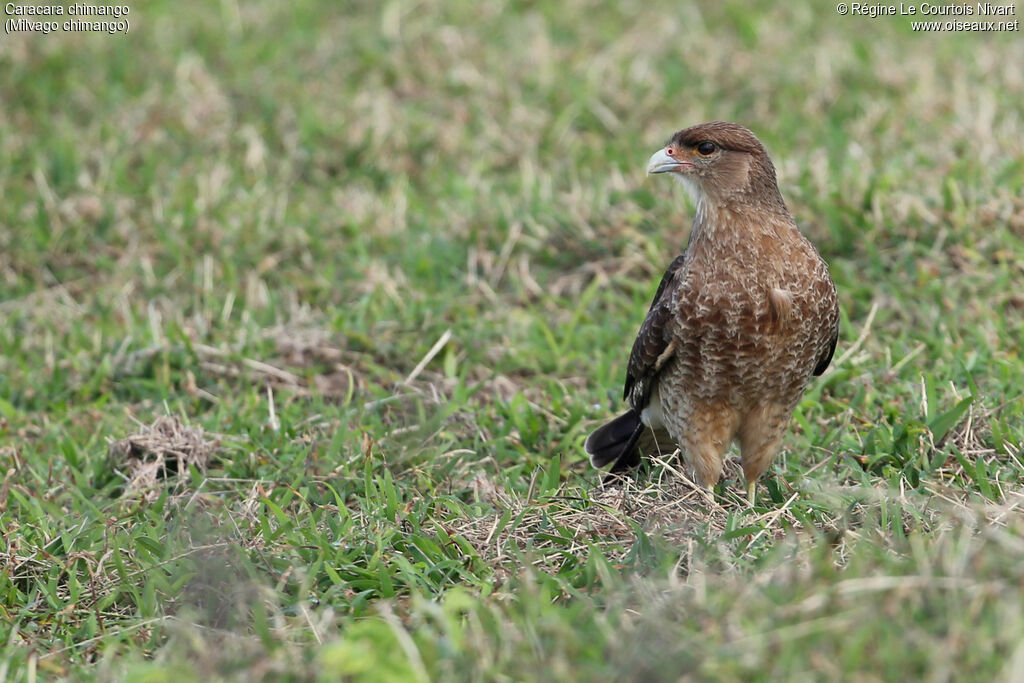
(661, 162)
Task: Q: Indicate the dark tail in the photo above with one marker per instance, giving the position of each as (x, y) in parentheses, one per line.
(616, 442)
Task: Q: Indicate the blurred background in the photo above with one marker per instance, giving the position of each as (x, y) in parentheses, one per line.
(361, 159)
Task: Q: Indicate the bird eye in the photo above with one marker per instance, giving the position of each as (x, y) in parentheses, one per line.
(706, 148)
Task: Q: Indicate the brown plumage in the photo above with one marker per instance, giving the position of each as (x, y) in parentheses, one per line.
(741, 321)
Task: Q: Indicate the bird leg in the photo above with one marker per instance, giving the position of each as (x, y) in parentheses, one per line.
(709, 431)
(760, 436)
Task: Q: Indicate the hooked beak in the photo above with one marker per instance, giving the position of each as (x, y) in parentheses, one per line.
(661, 162)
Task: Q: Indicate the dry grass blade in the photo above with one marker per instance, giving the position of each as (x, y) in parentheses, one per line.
(434, 350)
(606, 517)
(168, 446)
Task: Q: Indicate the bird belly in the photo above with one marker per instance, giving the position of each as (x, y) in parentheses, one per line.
(744, 339)
(744, 359)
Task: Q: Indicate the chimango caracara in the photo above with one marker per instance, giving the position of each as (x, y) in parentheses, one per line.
(741, 321)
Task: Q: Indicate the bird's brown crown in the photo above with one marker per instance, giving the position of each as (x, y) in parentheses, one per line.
(729, 165)
(731, 136)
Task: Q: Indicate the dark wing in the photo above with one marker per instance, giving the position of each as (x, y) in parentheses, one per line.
(829, 299)
(826, 357)
(651, 341)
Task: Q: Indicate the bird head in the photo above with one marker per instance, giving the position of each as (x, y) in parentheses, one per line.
(721, 162)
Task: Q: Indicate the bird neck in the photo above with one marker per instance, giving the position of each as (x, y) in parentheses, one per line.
(728, 224)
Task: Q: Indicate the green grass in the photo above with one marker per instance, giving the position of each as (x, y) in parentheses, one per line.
(258, 219)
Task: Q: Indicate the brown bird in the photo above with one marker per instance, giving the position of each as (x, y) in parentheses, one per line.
(741, 319)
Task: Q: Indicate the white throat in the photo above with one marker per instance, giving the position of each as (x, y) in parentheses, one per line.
(696, 192)
(693, 188)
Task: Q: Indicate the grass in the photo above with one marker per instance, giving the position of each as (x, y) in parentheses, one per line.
(360, 280)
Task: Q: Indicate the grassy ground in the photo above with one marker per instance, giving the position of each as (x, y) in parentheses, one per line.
(363, 279)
